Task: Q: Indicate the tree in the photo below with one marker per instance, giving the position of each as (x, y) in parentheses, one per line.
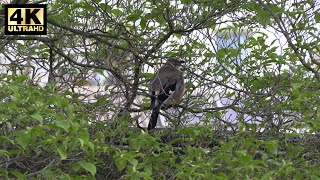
(253, 72)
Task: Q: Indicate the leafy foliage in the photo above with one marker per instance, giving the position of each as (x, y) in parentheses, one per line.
(55, 140)
(258, 60)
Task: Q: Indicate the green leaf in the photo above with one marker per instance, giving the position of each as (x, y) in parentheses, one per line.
(221, 53)
(147, 75)
(62, 152)
(317, 17)
(48, 174)
(37, 117)
(263, 17)
(23, 138)
(4, 152)
(276, 10)
(256, 85)
(106, 7)
(133, 17)
(21, 46)
(268, 175)
(116, 12)
(18, 174)
(4, 139)
(143, 23)
(81, 142)
(63, 124)
(296, 86)
(120, 162)
(272, 146)
(136, 143)
(89, 167)
(91, 145)
(134, 162)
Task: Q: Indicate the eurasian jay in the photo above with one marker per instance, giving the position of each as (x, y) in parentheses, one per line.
(166, 88)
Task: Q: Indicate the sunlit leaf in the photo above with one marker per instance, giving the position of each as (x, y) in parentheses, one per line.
(62, 152)
(18, 174)
(120, 162)
(37, 117)
(23, 138)
(272, 146)
(89, 167)
(65, 124)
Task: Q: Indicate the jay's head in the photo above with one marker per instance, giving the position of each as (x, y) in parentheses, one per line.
(175, 61)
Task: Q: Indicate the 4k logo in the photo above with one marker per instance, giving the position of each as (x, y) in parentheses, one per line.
(26, 19)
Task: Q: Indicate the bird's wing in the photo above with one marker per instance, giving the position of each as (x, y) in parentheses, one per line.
(177, 93)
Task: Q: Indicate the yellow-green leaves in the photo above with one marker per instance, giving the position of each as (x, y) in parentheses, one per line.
(89, 167)
(23, 138)
(62, 152)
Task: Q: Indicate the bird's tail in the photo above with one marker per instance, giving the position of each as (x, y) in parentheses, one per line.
(154, 118)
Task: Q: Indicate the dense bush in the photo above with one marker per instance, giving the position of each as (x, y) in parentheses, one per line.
(45, 134)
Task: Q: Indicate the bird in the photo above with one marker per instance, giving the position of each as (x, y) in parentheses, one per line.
(166, 88)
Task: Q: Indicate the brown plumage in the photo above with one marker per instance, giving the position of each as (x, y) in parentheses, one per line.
(166, 88)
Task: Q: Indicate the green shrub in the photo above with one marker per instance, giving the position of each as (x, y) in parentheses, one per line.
(45, 134)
